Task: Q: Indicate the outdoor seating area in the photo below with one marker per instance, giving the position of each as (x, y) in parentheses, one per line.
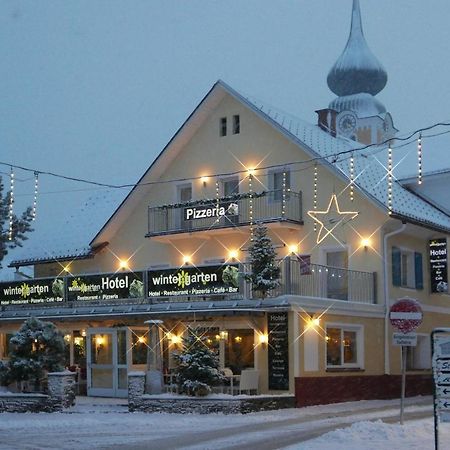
(245, 383)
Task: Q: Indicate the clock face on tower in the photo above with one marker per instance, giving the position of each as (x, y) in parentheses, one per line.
(346, 122)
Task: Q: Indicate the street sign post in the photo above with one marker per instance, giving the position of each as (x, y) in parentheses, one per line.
(405, 316)
(406, 340)
(440, 348)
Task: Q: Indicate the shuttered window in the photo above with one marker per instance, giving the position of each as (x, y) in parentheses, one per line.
(407, 268)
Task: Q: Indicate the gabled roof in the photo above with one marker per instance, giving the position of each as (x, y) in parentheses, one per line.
(313, 140)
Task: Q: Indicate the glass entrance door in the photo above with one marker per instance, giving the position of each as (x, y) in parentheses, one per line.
(107, 362)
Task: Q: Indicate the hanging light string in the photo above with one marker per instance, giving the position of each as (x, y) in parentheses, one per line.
(283, 201)
(250, 204)
(11, 205)
(315, 194)
(352, 177)
(419, 159)
(389, 179)
(36, 185)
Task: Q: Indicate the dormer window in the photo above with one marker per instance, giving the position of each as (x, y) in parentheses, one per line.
(223, 126)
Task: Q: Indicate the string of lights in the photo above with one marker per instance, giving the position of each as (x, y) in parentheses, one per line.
(331, 158)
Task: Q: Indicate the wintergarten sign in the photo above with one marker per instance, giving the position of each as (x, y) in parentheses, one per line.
(206, 280)
(30, 292)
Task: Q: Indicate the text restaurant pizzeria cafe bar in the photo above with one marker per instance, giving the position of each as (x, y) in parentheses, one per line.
(103, 320)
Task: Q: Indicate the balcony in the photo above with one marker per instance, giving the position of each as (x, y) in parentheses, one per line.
(226, 212)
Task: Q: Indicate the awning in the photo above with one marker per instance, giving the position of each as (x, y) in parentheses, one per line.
(206, 308)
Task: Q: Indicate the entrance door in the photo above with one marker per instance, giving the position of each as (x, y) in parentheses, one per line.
(337, 275)
(107, 362)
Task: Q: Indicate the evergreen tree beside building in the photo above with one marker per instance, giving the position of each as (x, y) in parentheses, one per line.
(265, 274)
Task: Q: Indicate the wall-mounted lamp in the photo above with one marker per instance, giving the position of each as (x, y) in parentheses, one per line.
(66, 268)
(251, 172)
(141, 339)
(233, 254)
(293, 249)
(223, 335)
(204, 180)
(313, 322)
(123, 264)
(365, 242)
(173, 338)
(83, 333)
(186, 260)
(67, 337)
(99, 340)
(263, 339)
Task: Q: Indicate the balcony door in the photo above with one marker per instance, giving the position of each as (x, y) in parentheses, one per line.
(337, 274)
(230, 187)
(184, 195)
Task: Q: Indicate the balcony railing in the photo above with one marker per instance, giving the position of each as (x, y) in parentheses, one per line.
(313, 280)
(225, 212)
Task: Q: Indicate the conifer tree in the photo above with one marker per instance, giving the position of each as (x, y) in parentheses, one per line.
(198, 366)
(37, 347)
(265, 272)
(20, 226)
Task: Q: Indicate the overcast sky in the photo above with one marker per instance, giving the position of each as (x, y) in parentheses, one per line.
(94, 89)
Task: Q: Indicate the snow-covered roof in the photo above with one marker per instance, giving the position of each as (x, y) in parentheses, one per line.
(68, 237)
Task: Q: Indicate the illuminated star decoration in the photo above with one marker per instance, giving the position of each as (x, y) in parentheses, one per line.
(330, 218)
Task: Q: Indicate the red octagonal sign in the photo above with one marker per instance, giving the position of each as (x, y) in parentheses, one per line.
(406, 315)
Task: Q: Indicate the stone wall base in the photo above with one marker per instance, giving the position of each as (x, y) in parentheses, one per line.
(324, 390)
(205, 405)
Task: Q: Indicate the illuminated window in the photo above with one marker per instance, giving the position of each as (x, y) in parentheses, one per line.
(223, 126)
(344, 346)
(236, 124)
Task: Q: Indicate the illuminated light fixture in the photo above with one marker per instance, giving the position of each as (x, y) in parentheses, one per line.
(217, 336)
(232, 254)
(67, 337)
(141, 339)
(123, 264)
(204, 180)
(175, 339)
(186, 260)
(313, 322)
(389, 179)
(263, 338)
(83, 333)
(365, 242)
(238, 339)
(223, 335)
(251, 172)
(66, 268)
(330, 218)
(293, 249)
(99, 340)
(419, 159)
(78, 340)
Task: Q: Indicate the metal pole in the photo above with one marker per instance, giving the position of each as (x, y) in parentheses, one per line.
(402, 399)
(435, 414)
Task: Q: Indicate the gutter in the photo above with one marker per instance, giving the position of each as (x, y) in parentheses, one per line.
(387, 365)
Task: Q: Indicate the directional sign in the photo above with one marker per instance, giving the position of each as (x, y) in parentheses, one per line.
(442, 349)
(442, 365)
(443, 392)
(444, 404)
(443, 379)
(406, 315)
(406, 340)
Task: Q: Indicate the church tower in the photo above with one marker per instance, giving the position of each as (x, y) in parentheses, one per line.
(356, 78)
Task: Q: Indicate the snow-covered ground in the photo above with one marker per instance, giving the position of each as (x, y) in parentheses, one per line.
(99, 423)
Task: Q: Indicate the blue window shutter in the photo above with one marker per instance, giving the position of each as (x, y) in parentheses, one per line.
(418, 270)
(396, 267)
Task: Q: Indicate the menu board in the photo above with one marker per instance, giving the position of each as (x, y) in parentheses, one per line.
(277, 325)
(438, 265)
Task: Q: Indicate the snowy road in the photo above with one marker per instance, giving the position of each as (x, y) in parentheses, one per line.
(113, 428)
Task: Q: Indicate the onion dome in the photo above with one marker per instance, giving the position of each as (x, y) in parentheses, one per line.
(357, 70)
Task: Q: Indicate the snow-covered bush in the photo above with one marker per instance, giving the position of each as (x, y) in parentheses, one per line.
(37, 348)
(197, 366)
(265, 272)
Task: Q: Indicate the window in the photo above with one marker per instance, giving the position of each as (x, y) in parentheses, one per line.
(337, 274)
(239, 350)
(236, 124)
(276, 180)
(419, 357)
(223, 126)
(407, 268)
(344, 346)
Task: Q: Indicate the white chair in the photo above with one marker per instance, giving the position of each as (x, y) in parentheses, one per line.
(249, 381)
